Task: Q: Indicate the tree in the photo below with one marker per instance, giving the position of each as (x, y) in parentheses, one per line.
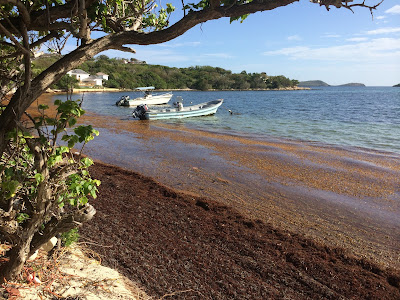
(66, 82)
(44, 188)
(25, 26)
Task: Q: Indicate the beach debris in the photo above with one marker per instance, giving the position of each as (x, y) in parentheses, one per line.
(50, 244)
(4, 248)
(13, 293)
(34, 255)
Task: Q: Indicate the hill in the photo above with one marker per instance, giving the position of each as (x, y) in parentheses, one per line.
(312, 83)
(397, 85)
(352, 84)
(319, 83)
(124, 74)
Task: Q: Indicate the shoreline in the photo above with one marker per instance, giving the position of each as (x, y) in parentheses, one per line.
(288, 218)
(341, 196)
(110, 90)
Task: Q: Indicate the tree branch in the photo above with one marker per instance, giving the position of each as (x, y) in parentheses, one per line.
(124, 49)
(66, 223)
(12, 38)
(21, 8)
(40, 19)
(52, 34)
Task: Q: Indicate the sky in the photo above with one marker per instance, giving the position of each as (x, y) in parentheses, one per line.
(301, 41)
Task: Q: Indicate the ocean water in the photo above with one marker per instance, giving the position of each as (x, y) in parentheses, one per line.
(367, 117)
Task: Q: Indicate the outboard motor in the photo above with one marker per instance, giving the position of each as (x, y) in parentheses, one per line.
(139, 111)
(178, 104)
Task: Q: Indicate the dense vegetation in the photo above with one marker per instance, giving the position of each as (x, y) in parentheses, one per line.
(132, 75)
(397, 85)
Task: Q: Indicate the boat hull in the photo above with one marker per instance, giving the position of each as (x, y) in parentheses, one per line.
(202, 109)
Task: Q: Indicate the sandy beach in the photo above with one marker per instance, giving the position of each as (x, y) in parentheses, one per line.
(312, 197)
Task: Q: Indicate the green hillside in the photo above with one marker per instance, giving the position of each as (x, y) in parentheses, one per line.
(133, 74)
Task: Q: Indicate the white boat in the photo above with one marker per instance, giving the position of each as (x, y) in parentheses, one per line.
(147, 98)
(178, 111)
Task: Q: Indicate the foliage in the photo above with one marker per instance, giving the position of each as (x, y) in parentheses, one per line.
(43, 185)
(70, 237)
(130, 76)
(65, 83)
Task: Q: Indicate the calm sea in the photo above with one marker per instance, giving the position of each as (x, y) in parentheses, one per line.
(367, 117)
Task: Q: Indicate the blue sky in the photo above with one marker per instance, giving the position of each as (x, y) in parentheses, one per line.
(301, 41)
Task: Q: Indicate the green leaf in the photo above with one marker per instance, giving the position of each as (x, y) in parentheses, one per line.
(21, 217)
(10, 188)
(63, 149)
(85, 133)
(72, 122)
(170, 8)
(87, 162)
(39, 178)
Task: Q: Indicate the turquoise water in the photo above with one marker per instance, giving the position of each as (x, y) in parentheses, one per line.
(367, 117)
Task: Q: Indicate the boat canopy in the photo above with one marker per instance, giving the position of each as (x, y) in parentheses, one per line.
(145, 88)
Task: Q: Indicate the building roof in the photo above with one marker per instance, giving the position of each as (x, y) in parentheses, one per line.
(92, 77)
(101, 73)
(78, 71)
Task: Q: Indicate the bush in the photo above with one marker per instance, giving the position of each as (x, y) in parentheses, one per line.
(70, 237)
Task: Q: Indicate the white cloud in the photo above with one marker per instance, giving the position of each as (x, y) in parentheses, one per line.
(394, 10)
(331, 36)
(291, 51)
(294, 38)
(384, 30)
(376, 50)
(380, 17)
(357, 39)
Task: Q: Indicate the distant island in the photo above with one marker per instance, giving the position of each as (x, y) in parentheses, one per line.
(352, 84)
(320, 83)
(397, 85)
(312, 83)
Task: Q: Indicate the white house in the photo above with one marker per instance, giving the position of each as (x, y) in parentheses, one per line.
(104, 76)
(87, 79)
(78, 74)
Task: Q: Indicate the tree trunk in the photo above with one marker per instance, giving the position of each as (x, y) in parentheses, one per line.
(17, 258)
(65, 224)
(30, 241)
